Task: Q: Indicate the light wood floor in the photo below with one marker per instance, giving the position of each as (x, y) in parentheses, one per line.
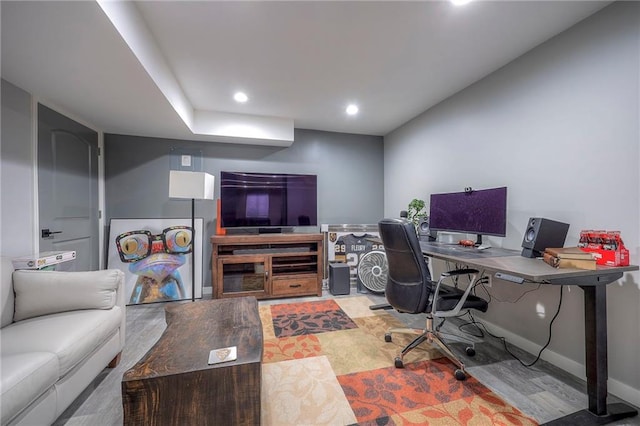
(543, 391)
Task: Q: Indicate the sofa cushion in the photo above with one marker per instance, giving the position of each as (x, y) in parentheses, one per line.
(46, 292)
(71, 336)
(6, 291)
(24, 378)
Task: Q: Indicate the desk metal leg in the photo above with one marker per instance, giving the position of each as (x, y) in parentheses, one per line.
(595, 327)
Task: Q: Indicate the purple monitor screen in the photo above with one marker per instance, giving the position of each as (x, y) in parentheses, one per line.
(268, 199)
(472, 212)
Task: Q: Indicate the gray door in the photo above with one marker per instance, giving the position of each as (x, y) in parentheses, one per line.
(68, 188)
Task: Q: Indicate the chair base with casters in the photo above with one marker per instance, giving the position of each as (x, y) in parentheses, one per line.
(443, 305)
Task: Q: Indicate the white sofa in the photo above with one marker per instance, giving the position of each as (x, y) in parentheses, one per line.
(59, 331)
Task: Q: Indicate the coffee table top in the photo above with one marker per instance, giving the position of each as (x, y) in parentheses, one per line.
(196, 328)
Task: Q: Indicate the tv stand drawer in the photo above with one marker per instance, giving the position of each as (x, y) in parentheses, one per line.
(287, 286)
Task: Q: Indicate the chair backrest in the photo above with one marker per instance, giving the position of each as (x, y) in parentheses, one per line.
(409, 281)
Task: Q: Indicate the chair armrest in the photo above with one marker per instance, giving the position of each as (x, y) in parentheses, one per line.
(457, 272)
(462, 296)
(440, 287)
(47, 292)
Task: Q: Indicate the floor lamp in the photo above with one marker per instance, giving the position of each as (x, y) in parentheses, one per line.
(197, 186)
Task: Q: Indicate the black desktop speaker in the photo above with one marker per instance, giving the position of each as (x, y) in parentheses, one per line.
(339, 279)
(542, 233)
(424, 233)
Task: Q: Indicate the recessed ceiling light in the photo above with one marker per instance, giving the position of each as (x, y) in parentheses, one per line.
(240, 97)
(352, 109)
(460, 2)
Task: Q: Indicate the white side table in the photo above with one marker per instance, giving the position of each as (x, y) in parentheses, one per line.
(47, 260)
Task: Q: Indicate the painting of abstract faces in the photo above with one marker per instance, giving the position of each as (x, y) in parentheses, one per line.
(155, 256)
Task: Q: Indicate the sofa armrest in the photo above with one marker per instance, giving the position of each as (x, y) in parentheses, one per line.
(121, 301)
(48, 292)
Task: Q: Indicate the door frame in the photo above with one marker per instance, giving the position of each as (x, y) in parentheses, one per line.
(34, 157)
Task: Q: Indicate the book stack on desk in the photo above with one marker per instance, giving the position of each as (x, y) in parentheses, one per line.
(569, 257)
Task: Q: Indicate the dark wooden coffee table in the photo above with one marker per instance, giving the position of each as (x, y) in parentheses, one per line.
(173, 384)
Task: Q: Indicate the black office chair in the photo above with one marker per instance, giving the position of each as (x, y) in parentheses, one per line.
(409, 289)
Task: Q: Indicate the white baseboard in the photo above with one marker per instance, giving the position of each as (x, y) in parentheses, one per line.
(624, 391)
(614, 387)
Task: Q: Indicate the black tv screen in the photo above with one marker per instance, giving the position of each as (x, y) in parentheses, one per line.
(268, 200)
(482, 212)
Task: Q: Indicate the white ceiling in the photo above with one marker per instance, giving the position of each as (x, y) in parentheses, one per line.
(303, 61)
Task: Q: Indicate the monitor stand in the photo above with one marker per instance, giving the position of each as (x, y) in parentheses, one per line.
(478, 240)
(269, 230)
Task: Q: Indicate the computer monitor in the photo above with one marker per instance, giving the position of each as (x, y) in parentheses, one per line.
(480, 212)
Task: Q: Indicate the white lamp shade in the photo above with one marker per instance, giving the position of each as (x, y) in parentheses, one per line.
(196, 185)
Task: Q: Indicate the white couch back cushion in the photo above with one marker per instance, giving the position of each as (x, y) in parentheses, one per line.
(47, 292)
(6, 291)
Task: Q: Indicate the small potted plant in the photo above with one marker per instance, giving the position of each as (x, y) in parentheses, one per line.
(416, 211)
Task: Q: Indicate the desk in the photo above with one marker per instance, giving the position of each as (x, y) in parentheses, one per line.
(593, 283)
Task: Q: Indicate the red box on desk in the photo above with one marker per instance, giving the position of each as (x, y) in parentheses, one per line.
(606, 246)
(619, 257)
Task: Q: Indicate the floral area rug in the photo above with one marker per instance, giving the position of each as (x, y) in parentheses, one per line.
(326, 363)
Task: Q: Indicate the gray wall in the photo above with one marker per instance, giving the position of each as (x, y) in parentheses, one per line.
(16, 173)
(349, 169)
(560, 127)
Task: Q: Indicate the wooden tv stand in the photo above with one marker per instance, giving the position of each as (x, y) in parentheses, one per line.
(267, 266)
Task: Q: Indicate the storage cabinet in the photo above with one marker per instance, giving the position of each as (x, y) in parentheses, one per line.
(267, 265)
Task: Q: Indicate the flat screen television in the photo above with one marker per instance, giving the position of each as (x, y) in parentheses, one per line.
(268, 201)
(480, 212)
